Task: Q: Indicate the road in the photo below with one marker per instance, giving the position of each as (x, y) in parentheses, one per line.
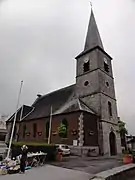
(48, 172)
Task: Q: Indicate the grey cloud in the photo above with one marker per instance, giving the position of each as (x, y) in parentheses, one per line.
(39, 40)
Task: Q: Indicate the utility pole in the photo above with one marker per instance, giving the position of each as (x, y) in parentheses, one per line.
(50, 127)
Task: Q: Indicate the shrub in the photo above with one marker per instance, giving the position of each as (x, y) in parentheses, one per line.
(34, 147)
(62, 130)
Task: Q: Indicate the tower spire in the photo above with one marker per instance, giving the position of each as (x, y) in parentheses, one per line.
(91, 4)
(93, 38)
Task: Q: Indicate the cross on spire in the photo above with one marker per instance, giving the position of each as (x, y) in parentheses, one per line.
(91, 4)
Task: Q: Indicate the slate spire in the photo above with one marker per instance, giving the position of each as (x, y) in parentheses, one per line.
(93, 38)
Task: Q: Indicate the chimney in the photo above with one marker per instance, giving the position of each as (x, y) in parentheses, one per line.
(39, 95)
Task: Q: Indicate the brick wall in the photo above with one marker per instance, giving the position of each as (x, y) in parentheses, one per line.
(29, 130)
(72, 120)
(90, 123)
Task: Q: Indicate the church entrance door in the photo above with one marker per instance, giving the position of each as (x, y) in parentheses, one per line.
(112, 140)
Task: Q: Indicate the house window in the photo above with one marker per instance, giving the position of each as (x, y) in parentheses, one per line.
(86, 66)
(24, 131)
(106, 67)
(47, 129)
(110, 108)
(15, 131)
(34, 130)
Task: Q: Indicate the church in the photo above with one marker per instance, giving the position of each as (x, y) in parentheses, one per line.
(83, 114)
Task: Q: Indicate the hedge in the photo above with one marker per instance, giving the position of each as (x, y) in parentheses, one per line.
(34, 147)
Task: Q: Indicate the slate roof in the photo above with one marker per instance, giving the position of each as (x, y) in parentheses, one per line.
(93, 39)
(73, 106)
(62, 101)
(25, 110)
(56, 99)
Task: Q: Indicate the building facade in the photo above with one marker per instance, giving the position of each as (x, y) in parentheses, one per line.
(92, 98)
(3, 132)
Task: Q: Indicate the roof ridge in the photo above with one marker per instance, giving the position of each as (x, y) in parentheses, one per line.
(87, 106)
(14, 114)
(21, 107)
(28, 113)
(65, 106)
(79, 104)
(52, 93)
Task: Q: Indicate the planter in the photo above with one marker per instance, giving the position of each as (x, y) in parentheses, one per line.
(59, 156)
(127, 159)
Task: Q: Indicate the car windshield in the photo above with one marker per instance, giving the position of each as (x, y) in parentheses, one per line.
(65, 147)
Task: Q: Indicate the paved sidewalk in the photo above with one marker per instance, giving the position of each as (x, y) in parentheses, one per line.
(49, 173)
(71, 168)
(125, 172)
(89, 165)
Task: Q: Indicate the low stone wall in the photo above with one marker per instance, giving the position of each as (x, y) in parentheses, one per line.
(3, 147)
(85, 151)
(120, 173)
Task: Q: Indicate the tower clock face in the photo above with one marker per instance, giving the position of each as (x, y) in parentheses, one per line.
(86, 59)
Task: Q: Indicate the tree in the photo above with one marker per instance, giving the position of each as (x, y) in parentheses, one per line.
(122, 129)
(62, 130)
(64, 122)
(123, 132)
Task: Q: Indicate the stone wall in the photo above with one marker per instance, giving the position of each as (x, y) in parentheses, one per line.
(107, 128)
(92, 151)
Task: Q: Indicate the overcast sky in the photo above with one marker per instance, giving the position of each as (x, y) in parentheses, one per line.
(40, 38)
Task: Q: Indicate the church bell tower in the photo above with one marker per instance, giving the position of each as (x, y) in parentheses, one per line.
(95, 87)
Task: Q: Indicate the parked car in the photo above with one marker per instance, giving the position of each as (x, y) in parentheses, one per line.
(64, 149)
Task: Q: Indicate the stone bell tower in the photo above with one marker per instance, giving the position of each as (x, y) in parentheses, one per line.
(95, 87)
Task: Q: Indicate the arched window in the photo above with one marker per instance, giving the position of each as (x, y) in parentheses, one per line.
(15, 131)
(34, 130)
(110, 108)
(47, 129)
(24, 131)
(86, 66)
(106, 66)
(64, 122)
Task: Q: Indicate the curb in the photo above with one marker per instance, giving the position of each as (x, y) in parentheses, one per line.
(119, 173)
